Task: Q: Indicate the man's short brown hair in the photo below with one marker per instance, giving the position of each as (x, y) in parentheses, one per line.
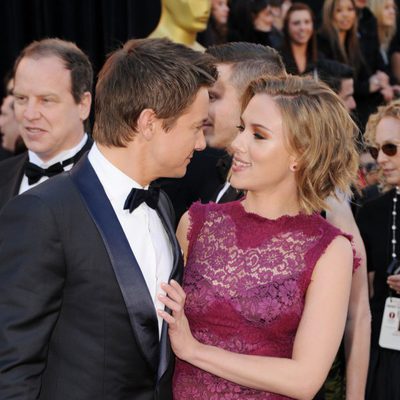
(249, 61)
(73, 58)
(152, 74)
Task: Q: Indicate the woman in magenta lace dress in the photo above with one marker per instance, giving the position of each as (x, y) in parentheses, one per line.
(267, 280)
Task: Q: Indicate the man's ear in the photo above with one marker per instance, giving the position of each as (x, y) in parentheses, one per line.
(146, 123)
(84, 106)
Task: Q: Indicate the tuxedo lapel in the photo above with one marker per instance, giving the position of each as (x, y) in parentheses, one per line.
(165, 216)
(133, 287)
(176, 273)
(11, 172)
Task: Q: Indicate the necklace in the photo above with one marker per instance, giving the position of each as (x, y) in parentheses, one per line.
(394, 227)
(394, 266)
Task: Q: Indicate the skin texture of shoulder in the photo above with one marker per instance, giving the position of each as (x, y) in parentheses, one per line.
(358, 325)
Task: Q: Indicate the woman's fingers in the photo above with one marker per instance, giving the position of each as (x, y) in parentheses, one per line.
(174, 291)
(170, 303)
(178, 288)
(167, 317)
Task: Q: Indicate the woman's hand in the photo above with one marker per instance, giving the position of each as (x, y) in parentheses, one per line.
(394, 283)
(374, 84)
(387, 93)
(182, 341)
(383, 78)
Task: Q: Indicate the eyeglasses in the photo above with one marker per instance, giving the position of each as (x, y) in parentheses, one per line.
(369, 167)
(390, 149)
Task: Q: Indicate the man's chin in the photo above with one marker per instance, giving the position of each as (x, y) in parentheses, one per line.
(178, 174)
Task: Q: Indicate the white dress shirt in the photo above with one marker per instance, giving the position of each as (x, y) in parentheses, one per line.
(60, 157)
(222, 191)
(143, 228)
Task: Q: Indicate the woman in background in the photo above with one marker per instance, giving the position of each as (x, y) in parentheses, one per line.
(338, 40)
(385, 12)
(299, 51)
(252, 21)
(379, 223)
(217, 28)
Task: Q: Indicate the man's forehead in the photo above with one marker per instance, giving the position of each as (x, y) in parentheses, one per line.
(44, 74)
(225, 80)
(347, 85)
(224, 71)
(41, 65)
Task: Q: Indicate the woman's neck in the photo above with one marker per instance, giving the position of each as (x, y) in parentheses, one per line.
(261, 26)
(342, 38)
(299, 52)
(271, 205)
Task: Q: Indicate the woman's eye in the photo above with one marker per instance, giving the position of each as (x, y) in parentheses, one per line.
(240, 128)
(258, 136)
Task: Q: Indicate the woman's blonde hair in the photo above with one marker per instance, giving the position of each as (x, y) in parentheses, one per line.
(391, 110)
(321, 133)
(385, 33)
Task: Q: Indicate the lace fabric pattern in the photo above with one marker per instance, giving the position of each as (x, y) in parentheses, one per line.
(245, 281)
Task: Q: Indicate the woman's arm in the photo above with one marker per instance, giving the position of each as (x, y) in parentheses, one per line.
(358, 325)
(316, 343)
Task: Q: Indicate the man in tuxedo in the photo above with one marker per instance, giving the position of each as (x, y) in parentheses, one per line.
(80, 276)
(52, 99)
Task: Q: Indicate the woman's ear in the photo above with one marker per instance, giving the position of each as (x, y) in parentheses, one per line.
(293, 167)
(293, 163)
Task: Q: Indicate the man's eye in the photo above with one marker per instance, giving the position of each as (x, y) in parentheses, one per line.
(19, 99)
(212, 96)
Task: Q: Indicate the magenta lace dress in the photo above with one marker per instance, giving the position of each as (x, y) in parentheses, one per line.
(245, 279)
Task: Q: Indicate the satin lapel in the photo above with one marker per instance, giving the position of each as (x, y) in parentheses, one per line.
(176, 273)
(137, 298)
(11, 178)
(16, 183)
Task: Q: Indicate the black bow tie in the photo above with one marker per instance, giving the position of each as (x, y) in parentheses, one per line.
(34, 172)
(137, 196)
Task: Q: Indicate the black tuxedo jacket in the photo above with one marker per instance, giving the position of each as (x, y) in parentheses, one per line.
(12, 171)
(76, 319)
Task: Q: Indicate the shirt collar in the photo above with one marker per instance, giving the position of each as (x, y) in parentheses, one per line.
(116, 184)
(60, 157)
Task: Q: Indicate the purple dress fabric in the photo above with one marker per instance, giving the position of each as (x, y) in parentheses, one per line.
(246, 279)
